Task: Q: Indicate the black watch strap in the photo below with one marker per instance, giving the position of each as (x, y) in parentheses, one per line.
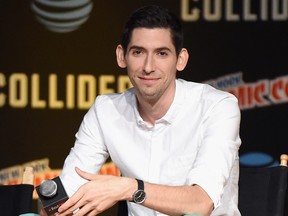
(140, 184)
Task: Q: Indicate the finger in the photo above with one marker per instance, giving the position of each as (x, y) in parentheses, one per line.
(72, 204)
(88, 210)
(69, 210)
(85, 175)
(92, 213)
(58, 214)
(83, 211)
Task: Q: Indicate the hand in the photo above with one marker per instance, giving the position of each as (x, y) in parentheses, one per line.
(43, 212)
(98, 194)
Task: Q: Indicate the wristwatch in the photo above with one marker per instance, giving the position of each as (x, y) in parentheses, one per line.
(139, 196)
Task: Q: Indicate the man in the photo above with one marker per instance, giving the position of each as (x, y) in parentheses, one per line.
(179, 139)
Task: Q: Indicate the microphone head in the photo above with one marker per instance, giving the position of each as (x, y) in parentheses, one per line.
(48, 188)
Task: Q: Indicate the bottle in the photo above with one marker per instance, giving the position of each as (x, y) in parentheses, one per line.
(28, 176)
(283, 160)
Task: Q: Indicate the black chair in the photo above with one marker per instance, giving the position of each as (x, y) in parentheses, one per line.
(263, 191)
(122, 208)
(16, 199)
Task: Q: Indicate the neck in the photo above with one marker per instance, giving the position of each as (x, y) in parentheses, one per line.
(152, 110)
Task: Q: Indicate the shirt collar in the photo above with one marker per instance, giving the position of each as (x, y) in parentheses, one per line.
(171, 113)
(176, 104)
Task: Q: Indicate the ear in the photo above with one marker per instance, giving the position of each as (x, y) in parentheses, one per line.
(120, 56)
(182, 59)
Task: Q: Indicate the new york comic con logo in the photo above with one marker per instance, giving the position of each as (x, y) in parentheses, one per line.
(264, 92)
(62, 16)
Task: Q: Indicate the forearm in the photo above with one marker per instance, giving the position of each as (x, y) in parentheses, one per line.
(176, 200)
(103, 191)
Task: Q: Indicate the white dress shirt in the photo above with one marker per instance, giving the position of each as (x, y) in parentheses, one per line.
(196, 142)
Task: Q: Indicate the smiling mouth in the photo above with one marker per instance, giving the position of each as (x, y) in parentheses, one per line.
(148, 78)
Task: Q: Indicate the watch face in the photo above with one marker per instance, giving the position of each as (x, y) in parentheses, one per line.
(139, 196)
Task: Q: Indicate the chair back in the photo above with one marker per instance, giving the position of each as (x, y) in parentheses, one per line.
(263, 191)
(17, 199)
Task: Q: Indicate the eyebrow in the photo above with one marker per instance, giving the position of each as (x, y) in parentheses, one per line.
(135, 47)
(142, 48)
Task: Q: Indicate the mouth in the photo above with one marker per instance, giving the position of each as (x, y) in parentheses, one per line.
(148, 80)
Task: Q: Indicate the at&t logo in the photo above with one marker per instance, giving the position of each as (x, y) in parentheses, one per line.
(62, 16)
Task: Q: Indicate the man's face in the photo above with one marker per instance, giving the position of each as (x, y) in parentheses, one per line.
(151, 63)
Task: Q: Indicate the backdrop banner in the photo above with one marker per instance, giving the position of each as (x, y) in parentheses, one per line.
(57, 56)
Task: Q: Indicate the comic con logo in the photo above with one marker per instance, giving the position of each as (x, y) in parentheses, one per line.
(62, 16)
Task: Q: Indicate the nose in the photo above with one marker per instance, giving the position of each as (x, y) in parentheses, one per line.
(149, 64)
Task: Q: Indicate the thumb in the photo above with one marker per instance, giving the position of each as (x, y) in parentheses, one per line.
(85, 175)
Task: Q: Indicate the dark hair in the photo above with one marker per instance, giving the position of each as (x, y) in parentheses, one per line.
(153, 16)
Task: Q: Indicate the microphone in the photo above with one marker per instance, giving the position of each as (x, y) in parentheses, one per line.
(52, 194)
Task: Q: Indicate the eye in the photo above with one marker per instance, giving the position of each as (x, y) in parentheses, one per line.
(137, 52)
(162, 53)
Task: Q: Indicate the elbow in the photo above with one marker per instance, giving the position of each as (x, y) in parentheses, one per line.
(200, 202)
(204, 204)
(205, 208)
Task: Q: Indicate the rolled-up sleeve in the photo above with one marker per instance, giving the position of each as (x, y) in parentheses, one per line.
(218, 148)
(88, 153)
